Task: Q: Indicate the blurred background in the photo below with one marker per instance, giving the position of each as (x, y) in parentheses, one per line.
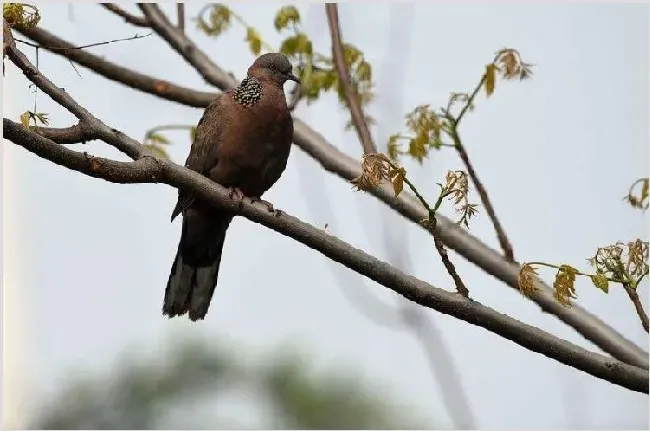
(293, 340)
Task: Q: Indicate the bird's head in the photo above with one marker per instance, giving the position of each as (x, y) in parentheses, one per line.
(272, 67)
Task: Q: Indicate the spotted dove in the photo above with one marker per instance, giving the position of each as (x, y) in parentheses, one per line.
(242, 142)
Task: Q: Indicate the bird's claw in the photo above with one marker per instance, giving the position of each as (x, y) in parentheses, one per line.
(268, 205)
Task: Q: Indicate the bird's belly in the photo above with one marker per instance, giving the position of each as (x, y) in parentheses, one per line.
(250, 165)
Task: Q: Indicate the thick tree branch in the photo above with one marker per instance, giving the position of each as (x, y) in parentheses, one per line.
(150, 170)
(351, 96)
(143, 170)
(128, 17)
(339, 163)
(146, 169)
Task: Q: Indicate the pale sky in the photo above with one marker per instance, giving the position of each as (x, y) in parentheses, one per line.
(90, 260)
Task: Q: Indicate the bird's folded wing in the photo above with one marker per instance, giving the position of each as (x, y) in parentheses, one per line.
(205, 148)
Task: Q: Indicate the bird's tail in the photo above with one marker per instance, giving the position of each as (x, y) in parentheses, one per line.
(195, 270)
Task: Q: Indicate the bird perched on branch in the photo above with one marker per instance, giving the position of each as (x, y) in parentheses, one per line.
(242, 142)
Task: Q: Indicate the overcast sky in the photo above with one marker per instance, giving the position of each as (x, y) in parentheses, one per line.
(87, 261)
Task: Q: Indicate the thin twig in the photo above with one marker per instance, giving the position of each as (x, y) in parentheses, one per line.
(351, 96)
(147, 169)
(128, 77)
(440, 247)
(638, 306)
(470, 99)
(335, 161)
(128, 17)
(505, 244)
(180, 12)
(485, 199)
(53, 48)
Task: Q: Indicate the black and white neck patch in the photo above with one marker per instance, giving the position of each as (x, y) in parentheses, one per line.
(249, 92)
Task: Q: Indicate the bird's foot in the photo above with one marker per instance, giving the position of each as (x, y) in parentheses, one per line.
(236, 193)
(268, 206)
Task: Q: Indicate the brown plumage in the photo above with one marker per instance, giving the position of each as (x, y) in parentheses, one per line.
(242, 142)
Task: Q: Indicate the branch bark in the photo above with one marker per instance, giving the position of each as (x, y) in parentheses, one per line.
(70, 135)
(351, 96)
(638, 306)
(180, 12)
(147, 169)
(138, 81)
(128, 17)
(150, 170)
(339, 163)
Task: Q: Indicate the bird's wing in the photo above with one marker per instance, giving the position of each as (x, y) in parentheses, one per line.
(204, 149)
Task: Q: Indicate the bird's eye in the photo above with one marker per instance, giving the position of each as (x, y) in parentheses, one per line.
(273, 68)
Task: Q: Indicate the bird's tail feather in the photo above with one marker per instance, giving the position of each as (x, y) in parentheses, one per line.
(195, 270)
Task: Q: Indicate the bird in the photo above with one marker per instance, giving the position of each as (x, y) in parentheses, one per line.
(242, 142)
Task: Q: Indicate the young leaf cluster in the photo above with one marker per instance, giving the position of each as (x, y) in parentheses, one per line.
(428, 129)
(378, 168)
(625, 264)
(20, 15)
(317, 72)
(28, 117)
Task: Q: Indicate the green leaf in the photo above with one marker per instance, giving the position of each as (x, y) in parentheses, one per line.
(600, 281)
(24, 118)
(645, 189)
(398, 181)
(490, 78)
(157, 151)
(364, 71)
(393, 146)
(417, 148)
(219, 20)
(286, 15)
(351, 54)
(22, 15)
(157, 138)
(306, 73)
(297, 44)
(41, 117)
(254, 40)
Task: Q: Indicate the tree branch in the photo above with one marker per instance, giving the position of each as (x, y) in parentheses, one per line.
(70, 135)
(143, 170)
(180, 12)
(129, 146)
(146, 169)
(351, 96)
(638, 306)
(505, 244)
(128, 17)
(128, 77)
(150, 170)
(339, 163)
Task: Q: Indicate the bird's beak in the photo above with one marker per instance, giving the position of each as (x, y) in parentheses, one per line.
(291, 77)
